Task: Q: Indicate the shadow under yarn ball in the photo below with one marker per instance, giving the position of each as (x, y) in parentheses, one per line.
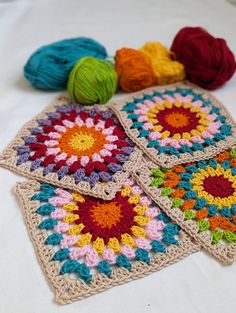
(49, 66)
(92, 81)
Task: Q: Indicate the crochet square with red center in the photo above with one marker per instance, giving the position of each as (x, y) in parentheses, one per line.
(86, 245)
(177, 123)
(200, 197)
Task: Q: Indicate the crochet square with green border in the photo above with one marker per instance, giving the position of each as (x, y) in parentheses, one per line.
(86, 245)
(177, 123)
(200, 197)
(73, 146)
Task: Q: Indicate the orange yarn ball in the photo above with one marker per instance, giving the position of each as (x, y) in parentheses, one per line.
(133, 69)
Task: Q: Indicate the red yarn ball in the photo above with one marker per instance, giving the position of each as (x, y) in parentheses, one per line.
(208, 61)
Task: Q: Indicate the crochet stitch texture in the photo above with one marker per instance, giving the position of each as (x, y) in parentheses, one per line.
(87, 245)
(99, 213)
(85, 149)
(175, 124)
(200, 197)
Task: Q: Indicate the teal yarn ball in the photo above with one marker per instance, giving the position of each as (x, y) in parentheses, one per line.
(92, 81)
(49, 66)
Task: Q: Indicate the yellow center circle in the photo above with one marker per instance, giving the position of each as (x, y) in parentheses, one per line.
(81, 142)
(106, 214)
(177, 119)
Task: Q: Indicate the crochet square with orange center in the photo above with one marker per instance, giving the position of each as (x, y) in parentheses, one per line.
(82, 148)
(177, 123)
(86, 245)
(200, 197)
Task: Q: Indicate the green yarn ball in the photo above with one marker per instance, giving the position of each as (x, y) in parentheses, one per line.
(92, 81)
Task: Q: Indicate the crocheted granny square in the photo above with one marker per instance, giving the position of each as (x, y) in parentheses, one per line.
(201, 198)
(84, 149)
(86, 245)
(176, 123)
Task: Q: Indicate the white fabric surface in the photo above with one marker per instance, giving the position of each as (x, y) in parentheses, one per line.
(196, 284)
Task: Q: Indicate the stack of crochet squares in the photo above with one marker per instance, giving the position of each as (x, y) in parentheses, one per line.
(119, 191)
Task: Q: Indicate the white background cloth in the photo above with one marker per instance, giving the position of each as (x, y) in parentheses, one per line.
(196, 284)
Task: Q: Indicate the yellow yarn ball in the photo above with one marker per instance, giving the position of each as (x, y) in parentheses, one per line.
(167, 70)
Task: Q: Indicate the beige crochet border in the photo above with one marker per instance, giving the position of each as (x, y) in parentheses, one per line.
(67, 290)
(226, 253)
(164, 159)
(105, 191)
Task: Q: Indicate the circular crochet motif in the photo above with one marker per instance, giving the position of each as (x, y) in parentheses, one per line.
(106, 215)
(218, 186)
(88, 233)
(106, 219)
(205, 191)
(81, 141)
(175, 122)
(88, 145)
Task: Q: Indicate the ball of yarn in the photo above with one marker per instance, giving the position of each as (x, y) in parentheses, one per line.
(48, 67)
(166, 69)
(208, 60)
(92, 81)
(133, 69)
